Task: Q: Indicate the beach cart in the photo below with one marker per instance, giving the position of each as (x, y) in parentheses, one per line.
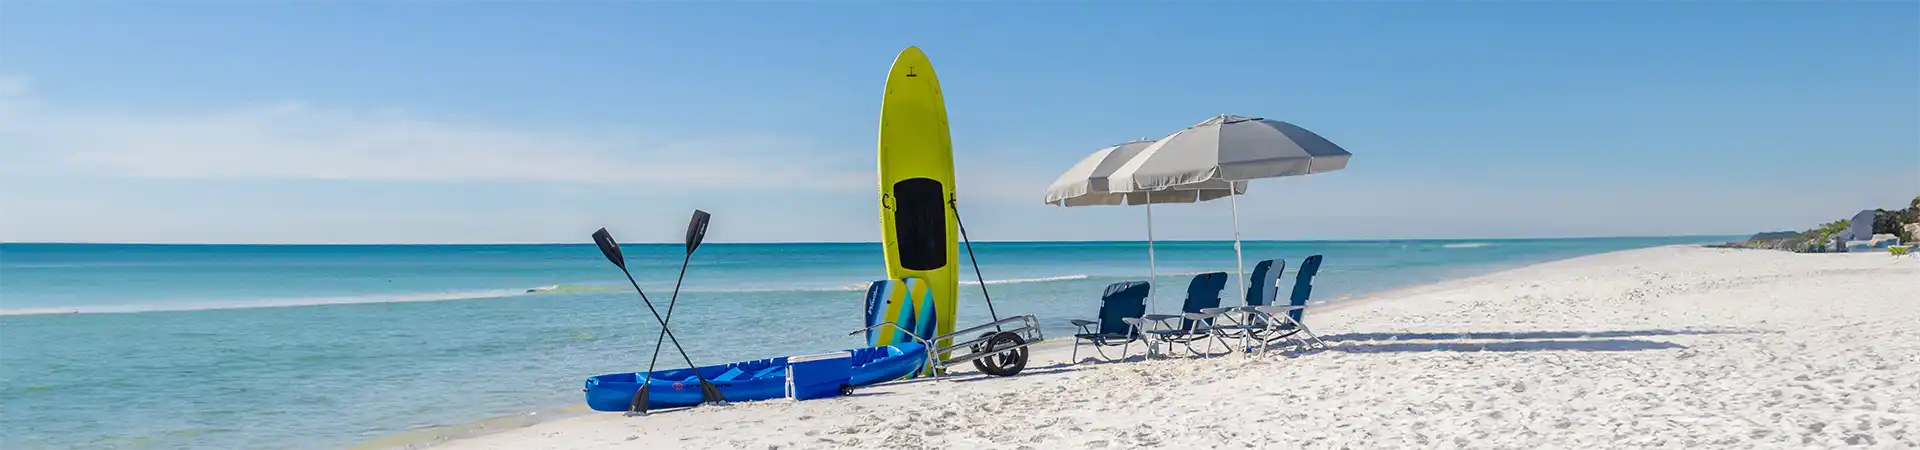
(998, 348)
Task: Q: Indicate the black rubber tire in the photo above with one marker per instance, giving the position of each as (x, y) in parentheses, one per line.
(1006, 363)
(980, 364)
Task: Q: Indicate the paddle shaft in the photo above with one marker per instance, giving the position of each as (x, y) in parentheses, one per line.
(657, 340)
(663, 330)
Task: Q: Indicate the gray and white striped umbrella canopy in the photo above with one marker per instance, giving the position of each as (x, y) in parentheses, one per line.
(1227, 149)
(1088, 182)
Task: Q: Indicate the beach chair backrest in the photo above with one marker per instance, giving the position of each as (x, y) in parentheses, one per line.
(1303, 284)
(1127, 299)
(1204, 291)
(1264, 282)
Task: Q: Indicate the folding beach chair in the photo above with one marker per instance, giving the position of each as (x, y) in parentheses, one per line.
(1241, 322)
(1284, 321)
(1120, 309)
(1193, 323)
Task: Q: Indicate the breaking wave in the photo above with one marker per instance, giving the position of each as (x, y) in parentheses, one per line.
(264, 303)
(552, 289)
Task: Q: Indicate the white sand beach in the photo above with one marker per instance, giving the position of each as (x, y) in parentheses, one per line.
(1672, 347)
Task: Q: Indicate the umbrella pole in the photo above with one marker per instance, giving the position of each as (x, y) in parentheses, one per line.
(1239, 262)
(1152, 270)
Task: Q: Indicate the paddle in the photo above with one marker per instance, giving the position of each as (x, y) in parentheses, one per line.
(696, 232)
(611, 250)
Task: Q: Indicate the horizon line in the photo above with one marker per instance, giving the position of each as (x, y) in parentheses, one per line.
(1014, 241)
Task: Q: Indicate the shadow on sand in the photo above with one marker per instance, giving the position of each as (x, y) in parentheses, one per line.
(968, 375)
(1509, 341)
(1521, 335)
(1601, 345)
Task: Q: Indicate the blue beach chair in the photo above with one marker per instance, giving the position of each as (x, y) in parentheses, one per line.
(1242, 321)
(1194, 322)
(1285, 321)
(1120, 309)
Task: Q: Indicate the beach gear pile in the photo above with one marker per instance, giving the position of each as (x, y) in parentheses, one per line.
(909, 316)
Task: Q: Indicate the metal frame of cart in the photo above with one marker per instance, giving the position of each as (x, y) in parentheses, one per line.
(1009, 345)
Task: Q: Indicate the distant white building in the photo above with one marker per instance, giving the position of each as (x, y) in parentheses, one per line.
(1858, 235)
(1862, 227)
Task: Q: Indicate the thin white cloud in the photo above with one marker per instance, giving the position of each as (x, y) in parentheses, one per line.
(297, 141)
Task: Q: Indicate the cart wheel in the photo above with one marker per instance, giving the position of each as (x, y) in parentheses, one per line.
(981, 347)
(846, 389)
(1007, 362)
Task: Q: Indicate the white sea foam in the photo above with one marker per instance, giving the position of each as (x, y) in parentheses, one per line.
(1467, 245)
(551, 289)
(265, 303)
(1032, 280)
(863, 286)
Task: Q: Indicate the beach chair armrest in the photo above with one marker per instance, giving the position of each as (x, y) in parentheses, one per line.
(1135, 321)
(1216, 311)
(1277, 310)
(1203, 315)
(1160, 317)
(1083, 323)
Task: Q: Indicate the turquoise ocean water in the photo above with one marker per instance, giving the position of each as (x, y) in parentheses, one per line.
(269, 347)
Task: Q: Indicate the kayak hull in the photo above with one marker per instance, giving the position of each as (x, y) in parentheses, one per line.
(754, 380)
(873, 365)
(763, 379)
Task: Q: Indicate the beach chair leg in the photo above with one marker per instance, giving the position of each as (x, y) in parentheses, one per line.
(1302, 328)
(1075, 359)
(1247, 343)
(1309, 332)
(1316, 338)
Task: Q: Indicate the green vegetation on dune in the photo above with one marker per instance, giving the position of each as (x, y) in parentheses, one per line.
(1904, 223)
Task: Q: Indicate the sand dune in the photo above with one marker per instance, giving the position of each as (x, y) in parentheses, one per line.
(1678, 347)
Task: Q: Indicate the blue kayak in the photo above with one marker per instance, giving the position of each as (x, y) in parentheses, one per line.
(743, 381)
(882, 364)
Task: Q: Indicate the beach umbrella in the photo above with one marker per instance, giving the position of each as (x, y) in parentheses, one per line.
(1086, 184)
(1228, 149)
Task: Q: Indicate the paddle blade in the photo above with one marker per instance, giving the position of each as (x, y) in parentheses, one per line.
(711, 394)
(639, 405)
(697, 230)
(610, 248)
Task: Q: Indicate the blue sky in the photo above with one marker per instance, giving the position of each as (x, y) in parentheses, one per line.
(404, 122)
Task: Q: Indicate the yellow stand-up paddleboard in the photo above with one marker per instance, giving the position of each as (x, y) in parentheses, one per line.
(916, 185)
